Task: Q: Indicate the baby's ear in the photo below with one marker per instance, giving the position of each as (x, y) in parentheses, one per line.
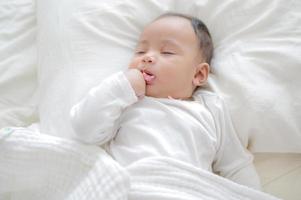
(201, 74)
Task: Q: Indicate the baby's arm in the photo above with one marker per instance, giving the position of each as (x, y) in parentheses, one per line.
(232, 161)
(95, 118)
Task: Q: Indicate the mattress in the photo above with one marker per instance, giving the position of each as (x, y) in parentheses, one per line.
(280, 174)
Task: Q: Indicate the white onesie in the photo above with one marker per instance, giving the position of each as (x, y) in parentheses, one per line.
(198, 132)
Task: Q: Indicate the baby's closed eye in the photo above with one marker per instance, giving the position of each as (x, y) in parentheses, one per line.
(168, 52)
(139, 52)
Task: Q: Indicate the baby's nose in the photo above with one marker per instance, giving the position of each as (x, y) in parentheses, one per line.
(148, 59)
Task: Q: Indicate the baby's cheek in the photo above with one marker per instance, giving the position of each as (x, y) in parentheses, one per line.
(134, 64)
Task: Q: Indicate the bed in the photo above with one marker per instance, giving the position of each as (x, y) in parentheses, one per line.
(53, 51)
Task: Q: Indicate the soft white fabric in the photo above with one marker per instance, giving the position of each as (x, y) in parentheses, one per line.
(198, 132)
(18, 80)
(36, 166)
(163, 178)
(255, 68)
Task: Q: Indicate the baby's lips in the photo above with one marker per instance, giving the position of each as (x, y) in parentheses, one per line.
(149, 78)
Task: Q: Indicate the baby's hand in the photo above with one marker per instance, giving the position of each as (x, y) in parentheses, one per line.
(137, 81)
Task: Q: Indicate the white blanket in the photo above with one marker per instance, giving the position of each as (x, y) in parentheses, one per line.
(162, 178)
(36, 166)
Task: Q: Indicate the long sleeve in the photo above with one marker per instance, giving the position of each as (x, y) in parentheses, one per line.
(232, 160)
(95, 118)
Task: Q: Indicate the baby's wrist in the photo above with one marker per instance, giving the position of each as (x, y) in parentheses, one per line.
(137, 82)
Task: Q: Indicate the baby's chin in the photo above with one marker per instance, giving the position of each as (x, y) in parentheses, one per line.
(152, 93)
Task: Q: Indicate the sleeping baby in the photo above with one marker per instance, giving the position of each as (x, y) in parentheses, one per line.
(155, 109)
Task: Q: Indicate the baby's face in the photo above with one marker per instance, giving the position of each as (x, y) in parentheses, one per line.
(167, 54)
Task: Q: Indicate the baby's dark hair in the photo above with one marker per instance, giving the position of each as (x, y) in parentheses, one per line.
(201, 31)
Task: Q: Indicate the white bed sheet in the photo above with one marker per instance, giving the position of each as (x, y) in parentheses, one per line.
(256, 65)
(18, 63)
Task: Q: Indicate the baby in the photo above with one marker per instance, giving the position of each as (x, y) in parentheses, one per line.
(154, 109)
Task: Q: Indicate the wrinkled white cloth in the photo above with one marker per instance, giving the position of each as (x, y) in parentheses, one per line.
(198, 131)
(163, 178)
(256, 64)
(36, 166)
(18, 62)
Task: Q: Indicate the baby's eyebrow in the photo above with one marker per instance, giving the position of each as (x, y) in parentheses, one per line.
(143, 42)
(164, 42)
(171, 42)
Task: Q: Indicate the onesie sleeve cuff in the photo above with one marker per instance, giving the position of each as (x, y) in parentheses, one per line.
(122, 89)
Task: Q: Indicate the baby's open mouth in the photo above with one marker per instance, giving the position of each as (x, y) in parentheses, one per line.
(148, 77)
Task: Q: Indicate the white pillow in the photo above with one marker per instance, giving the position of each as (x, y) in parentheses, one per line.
(255, 67)
(18, 78)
